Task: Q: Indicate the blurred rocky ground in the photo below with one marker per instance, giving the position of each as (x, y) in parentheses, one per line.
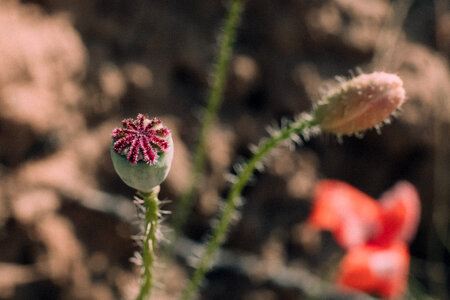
(71, 70)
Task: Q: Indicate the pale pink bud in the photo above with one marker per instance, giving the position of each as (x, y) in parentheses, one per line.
(360, 103)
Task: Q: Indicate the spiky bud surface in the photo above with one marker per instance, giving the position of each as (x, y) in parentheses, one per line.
(360, 103)
(142, 152)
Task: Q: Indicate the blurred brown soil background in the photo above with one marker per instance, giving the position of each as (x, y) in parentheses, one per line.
(71, 70)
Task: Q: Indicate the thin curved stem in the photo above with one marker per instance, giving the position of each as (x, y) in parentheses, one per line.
(219, 235)
(151, 206)
(213, 104)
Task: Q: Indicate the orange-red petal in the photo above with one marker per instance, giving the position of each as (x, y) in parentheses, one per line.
(400, 214)
(376, 269)
(348, 213)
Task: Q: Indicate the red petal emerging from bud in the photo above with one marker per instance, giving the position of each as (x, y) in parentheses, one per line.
(360, 103)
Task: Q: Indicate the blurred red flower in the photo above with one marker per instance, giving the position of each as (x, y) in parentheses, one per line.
(374, 232)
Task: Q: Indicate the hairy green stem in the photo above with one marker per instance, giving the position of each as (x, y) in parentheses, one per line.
(213, 104)
(219, 235)
(151, 206)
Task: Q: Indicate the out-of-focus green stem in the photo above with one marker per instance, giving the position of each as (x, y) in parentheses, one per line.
(219, 235)
(151, 207)
(226, 42)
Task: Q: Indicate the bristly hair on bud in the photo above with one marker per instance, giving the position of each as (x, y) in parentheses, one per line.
(360, 103)
(140, 139)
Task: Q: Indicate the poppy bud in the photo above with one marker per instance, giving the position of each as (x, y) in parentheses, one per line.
(360, 103)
